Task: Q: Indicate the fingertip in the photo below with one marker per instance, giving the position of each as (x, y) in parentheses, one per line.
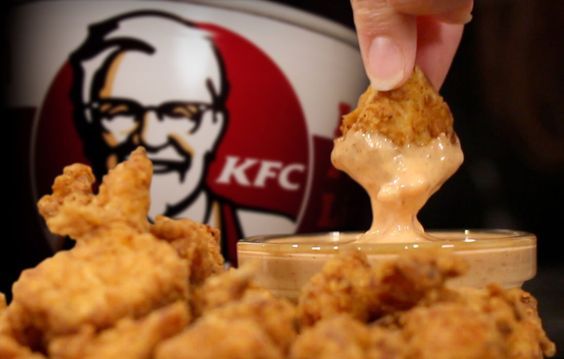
(388, 64)
(437, 44)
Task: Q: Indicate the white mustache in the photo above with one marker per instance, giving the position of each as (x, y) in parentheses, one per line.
(167, 154)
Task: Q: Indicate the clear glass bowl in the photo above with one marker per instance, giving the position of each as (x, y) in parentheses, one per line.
(286, 262)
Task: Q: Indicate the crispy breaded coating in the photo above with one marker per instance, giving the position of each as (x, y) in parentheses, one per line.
(217, 338)
(122, 201)
(348, 284)
(443, 329)
(11, 349)
(411, 313)
(477, 323)
(414, 113)
(385, 343)
(117, 269)
(97, 284)
(9, 346)
(2, 302)
(402, 283)
(515, 314)
(222, 289)
(129, 338)
(198, 243)
(275, 316)
(345, 337)
(337, 337)
(342, 286)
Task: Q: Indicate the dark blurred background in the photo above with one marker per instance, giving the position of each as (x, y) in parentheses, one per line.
(505, 89)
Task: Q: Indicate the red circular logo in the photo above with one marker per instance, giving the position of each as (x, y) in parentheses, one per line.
(218, 117)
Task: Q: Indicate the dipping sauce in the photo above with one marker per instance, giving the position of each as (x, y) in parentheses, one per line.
(401, 147)
(398, 179)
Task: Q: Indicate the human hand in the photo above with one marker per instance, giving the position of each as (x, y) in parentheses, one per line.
(394, 35)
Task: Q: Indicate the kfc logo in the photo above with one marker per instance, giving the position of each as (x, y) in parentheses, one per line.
(219, 120)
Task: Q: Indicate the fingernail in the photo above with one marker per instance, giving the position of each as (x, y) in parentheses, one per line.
(459, 18)
(385, 63)
(467, 18)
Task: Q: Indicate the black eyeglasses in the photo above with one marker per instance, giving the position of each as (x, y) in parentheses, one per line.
(116, 109)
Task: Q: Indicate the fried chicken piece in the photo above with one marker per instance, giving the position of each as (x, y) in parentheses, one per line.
(9, 346)
(198, 243)
(275, 316)
(2, 302)
(129, 338)
(506, 318)
(123, 199)
(337, 337)
(11, 349)
(401, 284)
(97, 284)
(413, 113)
(475, 323)
(417, 315)
(348, 284)
(443, 329)
(527, 338)
(231, 303)
(218, 338)
(345, 337)
(222, 289)
(385, 343)
(115, 270)
(342, 286)
(515, 314)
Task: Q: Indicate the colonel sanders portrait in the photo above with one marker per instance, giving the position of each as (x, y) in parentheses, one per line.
(136, 87)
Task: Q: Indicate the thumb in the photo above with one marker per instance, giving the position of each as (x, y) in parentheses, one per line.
(388, 42)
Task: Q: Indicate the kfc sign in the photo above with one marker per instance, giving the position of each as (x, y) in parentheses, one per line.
(275, 170)
(224, 108)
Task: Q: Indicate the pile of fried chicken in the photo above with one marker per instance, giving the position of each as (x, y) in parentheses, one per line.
(134, 289)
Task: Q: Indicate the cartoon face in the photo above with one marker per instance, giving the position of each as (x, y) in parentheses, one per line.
(168, 100)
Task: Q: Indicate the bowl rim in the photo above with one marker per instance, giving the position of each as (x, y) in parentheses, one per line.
(335, 241)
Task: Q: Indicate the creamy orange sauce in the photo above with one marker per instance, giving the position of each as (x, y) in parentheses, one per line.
(398, 179)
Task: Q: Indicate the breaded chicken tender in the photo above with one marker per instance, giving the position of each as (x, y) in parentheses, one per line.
(222, 289)
(342, 286)
(217, 338)
(413, 314)
(443, 329)
(122, 201)
(527, 337)
(348, 284)
(414, 113)
(515, 314)
(116, 270)
(404, 282)
(345, 337)
(489, 323)
(275, 316)
(198, 243)
(337, 337)
(255, 315)
(2, 303)
(129, 338)
(385, 343)
(9, 346)
(11, 349)
(97, 284)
